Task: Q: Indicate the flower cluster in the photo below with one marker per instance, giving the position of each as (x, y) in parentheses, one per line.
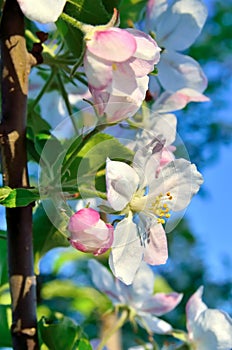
(117, 63)
(141, 195)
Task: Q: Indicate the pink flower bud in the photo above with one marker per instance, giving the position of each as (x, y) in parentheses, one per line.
(89, 233)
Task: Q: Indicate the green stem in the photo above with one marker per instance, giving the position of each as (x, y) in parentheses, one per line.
(118, 325)
(75, 23)
(43, 90)
(66, 101)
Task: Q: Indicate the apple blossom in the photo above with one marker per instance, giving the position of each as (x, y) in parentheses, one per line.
(138, 191)
(117, 62)
(177, 71)
(89, 233)
(207, 328)
(144, 306)
(43, 11)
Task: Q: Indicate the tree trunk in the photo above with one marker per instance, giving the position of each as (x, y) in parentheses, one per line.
(15, 69)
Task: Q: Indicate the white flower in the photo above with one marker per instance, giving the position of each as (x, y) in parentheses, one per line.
(43, 11)
(138, 297)
(208, 329)
(139, 191)
(176, 28)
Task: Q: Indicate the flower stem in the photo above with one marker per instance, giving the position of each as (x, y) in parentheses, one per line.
(117, 326)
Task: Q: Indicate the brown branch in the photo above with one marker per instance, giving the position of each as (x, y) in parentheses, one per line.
(16, 65)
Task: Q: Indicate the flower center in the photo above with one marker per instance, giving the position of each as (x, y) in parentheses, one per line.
(160, 207)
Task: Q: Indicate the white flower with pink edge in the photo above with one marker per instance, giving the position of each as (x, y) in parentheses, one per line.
(138, 297)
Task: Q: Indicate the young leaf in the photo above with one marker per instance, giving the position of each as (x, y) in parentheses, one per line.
(18, 197)
(91, 158)
(59, 333)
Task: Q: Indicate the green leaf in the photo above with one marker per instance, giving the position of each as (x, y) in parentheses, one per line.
(18, 197)
(84, 344)
(46, 235)
(130, 11)
(83, 299)
(5, 321)
(59, 333)
(73, 37)
(87, 11)
(4, 192)
(3, 259)
(87, 164)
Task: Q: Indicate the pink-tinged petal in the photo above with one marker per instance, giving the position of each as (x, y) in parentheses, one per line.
(184, 16)
(154, 324)
(112, 44)
(156, 251)
(147, 49)
(121, 183)
(100, 99)
(169, 101)
(155, 8)
(177, 71)
(120, 108)
(43, 11)
(161, 303)
(89, 233)
(103, 279)
(126, 253)
(98, 71)
(140, 67)
(83, 219)
(181, 179)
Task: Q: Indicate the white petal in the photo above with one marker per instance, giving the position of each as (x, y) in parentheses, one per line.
(165, 125)
(213, 330)
(181, 179)
(184, 16)
(169, 101)
(121, 182)
(43, 11)
(141, 288)
(98, 71)
(103, 279)
(155, 8)
(124, 81)
(154, 324)
(126, 253)
(177, 71)
(195, 306)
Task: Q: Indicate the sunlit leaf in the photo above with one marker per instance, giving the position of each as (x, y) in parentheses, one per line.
(18, 197)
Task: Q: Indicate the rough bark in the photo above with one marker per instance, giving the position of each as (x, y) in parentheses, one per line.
(16, 64)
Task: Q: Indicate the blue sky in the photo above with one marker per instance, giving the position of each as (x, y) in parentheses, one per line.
(210, 216)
